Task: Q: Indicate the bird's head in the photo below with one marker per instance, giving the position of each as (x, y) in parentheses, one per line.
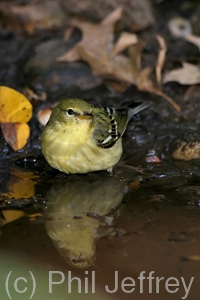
(72, 110)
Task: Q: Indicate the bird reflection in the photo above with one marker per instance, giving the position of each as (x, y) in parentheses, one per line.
(77, 215)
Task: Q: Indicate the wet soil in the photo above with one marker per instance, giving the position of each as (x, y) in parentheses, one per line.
(144, 218)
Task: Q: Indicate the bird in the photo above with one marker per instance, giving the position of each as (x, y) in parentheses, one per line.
(76, 221)
(82, 138)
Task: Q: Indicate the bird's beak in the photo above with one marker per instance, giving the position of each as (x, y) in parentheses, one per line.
(84, 117)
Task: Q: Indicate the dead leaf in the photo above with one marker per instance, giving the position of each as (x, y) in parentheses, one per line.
(31, 16)
(143, 82)
(189, 92)
(119, 87)
(153, 159)
(194, 40)
(188, 74)
(125, 40)
(31, 95)
(43, 115)
(135, 54)
(157, 198)
(15, 134)
(135, 184)
(15, 112)
(161, 58)
(105, 60)
(98, 47)
(68, 32)
(14, 107)
(179, 27)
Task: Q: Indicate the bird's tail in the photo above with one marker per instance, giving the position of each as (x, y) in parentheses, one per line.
(123, 116)
(137, 109)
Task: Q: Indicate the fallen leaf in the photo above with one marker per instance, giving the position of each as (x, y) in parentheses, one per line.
(144, 83)
(135, 184)
(187, 147)
(135, 54)
(31, 95)
(14, 107)
(105, 60)
(125, 40)
(188, 74)
(161, 58)
(15, 112)
(115, 86)
(157, 198)
(98, 47)
(31, 16)
(16, 134)
(43, 115)
(193, 39)
(179, 27)
(68, 32)
(153, 159)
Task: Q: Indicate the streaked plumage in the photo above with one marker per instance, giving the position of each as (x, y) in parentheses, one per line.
(82, 138)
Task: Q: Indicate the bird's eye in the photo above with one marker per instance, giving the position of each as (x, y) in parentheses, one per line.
(70, 112)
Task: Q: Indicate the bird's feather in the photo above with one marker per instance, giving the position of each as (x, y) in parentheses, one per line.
(111, 124)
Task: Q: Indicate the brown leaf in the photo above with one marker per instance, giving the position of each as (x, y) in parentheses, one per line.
(188, 74)
(135, 54)
(105, 59)
(193, 39)
(153, 159)
(70, 56)
(179, 27)
(135, 184)
(120, 67)
(68, 32)
(15, 111)
(161, 58)
(31, 95)
(123, 69)
(15, 134)
(119, 87)
(43, 115)
(97, 47)
(144, 83)
(125, 40)
(32, 16)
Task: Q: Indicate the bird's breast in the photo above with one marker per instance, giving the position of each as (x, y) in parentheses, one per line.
(75, 151)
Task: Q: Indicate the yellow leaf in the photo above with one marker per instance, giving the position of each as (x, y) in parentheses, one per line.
(12, 215)
(14, 106)
(15, 134)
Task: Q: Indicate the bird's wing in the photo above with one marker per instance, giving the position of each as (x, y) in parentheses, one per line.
(108, 126)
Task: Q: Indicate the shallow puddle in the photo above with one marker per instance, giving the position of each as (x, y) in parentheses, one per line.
(120, 237)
